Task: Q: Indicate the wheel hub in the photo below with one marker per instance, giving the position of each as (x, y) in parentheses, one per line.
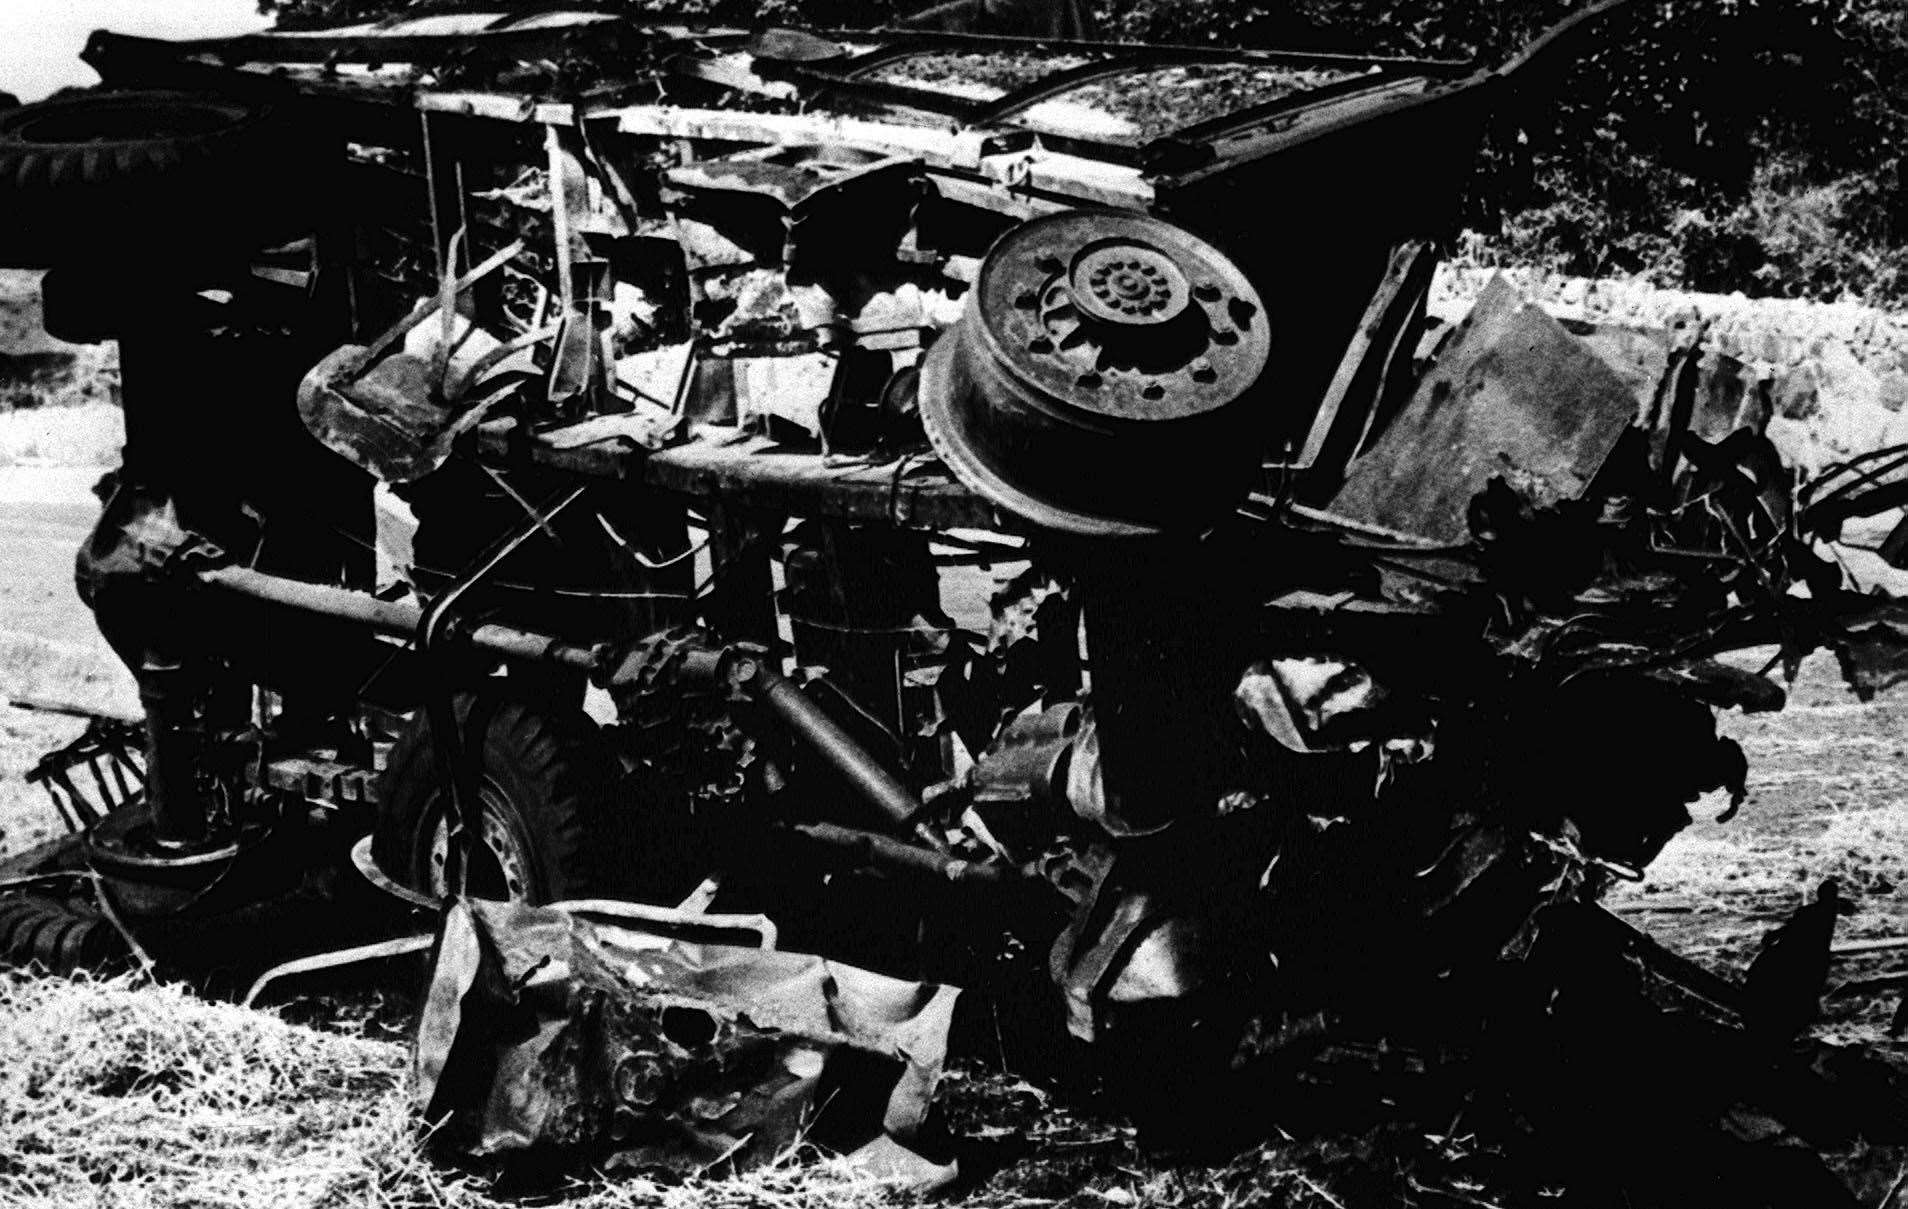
(498, 863)
(1129, 283)
(1101, 356)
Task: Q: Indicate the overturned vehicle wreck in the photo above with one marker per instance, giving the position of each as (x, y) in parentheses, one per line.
(909, 486)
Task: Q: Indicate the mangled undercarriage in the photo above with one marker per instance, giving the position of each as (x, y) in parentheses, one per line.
(994, 547)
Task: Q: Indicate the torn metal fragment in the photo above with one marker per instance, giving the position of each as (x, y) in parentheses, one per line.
(1514, 396)
(545, 1034)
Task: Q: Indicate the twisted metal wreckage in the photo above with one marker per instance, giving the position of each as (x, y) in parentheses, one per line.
(1343, 658)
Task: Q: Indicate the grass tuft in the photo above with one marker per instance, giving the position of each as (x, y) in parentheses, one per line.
(84, 434)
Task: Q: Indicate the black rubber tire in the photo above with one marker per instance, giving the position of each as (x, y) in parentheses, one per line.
(548, 774)
(144, 175)
(99, 138)
(58, 935)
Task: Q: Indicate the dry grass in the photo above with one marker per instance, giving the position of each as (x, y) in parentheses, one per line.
(85, 434)
(129, 1095)
(39, 371)
(1828, 781)
(71, 376)
(20, 330)
(124, 1096)
(72, 673)
(143, 1095)
(69, 673)
(27, 816)
(1866, 849)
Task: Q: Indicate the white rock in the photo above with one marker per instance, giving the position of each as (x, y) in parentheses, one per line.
(1846, 382)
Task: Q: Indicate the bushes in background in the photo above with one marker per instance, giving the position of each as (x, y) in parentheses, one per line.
(1722, 145)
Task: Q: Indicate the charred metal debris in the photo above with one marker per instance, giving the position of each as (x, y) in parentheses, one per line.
(1002, 539)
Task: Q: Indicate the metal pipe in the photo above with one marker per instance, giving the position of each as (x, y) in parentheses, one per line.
(774, 691)
(810, 723)
(643, 913)
(873, 848)
(398, 618)
(532, 647)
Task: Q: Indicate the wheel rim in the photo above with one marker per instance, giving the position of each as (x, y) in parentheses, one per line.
(1100, 351)
(500, 861)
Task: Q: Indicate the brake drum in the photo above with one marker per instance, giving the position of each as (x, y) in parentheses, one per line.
(1104, 378)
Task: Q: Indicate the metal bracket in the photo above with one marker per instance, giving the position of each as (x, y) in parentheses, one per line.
(110, 749)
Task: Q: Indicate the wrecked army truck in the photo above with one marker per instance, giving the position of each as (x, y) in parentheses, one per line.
(994, 506)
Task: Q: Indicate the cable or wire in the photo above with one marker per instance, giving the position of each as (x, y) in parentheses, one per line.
(146, 965)
(529, 509)
(595, 593)
(895, 631)
(512, 585)
(384, 665)
(630, 549)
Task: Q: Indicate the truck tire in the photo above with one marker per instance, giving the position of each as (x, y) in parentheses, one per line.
(60, 936)
(103, 138)
(550, 826)
(143, 174)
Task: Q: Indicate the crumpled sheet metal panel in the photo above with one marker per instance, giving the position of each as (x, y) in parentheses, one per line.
(793, 179)
(1513, 396)
(1871, 645)
(616, 1049)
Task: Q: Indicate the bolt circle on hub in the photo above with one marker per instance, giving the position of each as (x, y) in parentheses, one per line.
(1129, 283)
(1100, 357)
(1121, 316)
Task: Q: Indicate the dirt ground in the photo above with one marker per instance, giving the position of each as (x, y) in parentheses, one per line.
(50, 652)
(1828, 777)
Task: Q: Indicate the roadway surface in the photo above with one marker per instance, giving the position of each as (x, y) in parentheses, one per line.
(38, 540)
(49, 649)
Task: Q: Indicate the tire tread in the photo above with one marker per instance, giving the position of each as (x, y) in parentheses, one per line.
(570, 794)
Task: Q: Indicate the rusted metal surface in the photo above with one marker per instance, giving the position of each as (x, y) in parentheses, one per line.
(719, 55)
(762, 473)
(55, 934)
(799, 381)
(653, 1053)
(883, 853)
(393, 413)
(697, 666)
(395, 618)
(112, 753)
(1513, 397)
(1100, 352)
(336, 782)
(792, 180)
(1370, 366)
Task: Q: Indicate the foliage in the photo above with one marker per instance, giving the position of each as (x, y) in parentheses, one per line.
(1717, 144)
